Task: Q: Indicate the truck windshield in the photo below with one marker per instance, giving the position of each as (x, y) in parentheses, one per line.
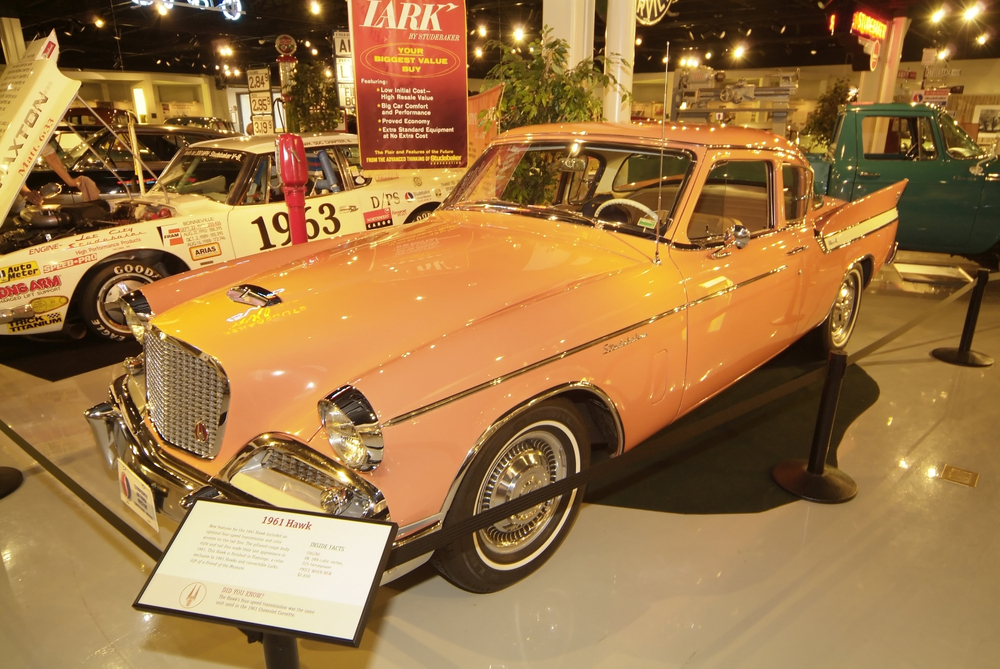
(957, 142)
(613, 186)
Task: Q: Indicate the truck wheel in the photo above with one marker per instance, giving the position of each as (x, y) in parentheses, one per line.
(839, 324)
(539, 447)
(99, 300)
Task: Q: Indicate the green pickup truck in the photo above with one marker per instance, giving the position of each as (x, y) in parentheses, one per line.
(952, 203)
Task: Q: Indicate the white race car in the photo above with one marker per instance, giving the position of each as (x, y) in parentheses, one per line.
(66, 266)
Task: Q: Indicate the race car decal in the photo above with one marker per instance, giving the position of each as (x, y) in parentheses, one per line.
(70, 262)
(34, 322)
(330, 225)
(44, 248)
(20, 271)
(380, 218)
(42, 304)
(205, 251)
(384, 200)
(170, 235)
(17, 291)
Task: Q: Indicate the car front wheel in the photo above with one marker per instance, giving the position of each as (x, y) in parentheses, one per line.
(99, 301)
(541, 446)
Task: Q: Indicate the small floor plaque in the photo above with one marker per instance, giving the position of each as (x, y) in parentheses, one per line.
(301, 574)
(956, 475)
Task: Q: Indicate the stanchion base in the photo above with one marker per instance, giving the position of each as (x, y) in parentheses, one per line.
(964, 358)
(10, 480)
(832, 487)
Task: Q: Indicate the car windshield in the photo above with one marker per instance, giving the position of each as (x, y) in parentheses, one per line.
(957, 142)
(209, 172)
(606, 185)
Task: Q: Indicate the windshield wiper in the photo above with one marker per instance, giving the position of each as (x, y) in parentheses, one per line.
(526, 210)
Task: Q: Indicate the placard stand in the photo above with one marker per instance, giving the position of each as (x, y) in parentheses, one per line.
(10, 480)
(276, 574)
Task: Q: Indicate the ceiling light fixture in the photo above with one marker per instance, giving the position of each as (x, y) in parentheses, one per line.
(314, 7)
(938, 15)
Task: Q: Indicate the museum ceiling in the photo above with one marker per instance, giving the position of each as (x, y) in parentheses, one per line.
(118, 34)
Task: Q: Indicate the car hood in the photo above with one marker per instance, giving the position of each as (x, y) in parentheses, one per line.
(417, 306)
(38, 97)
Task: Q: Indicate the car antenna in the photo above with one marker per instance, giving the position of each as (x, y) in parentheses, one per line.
(663, 139)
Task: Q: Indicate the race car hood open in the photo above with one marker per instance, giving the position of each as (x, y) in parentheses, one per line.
(35, 97)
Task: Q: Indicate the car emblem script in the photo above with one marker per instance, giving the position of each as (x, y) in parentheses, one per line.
(201, 432)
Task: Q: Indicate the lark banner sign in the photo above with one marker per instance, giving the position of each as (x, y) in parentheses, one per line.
(410, 78)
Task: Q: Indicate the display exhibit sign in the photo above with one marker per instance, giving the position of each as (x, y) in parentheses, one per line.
(272, 570)
(410, 82)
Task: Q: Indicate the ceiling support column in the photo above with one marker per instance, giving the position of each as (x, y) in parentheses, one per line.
(573, 21)
(12, 39)
(619, 48)
(878, 86)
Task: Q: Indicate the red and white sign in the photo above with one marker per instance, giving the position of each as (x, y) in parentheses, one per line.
(410, 60)
(932, 96)
(865, 25)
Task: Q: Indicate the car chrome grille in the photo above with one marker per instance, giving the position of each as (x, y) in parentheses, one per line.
(187, 394)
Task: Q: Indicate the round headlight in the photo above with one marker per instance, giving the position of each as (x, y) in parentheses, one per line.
(135, 323)
(344, 438)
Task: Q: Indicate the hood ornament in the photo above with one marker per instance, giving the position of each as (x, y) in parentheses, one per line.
(255, 296)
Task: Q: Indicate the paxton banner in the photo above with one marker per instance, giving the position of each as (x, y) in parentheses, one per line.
(409, 61)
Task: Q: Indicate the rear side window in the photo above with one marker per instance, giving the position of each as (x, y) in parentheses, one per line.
(735, 193)
(898, 138)
(794, 192)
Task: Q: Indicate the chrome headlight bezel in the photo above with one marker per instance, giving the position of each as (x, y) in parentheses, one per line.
(137, 313)
(352, 428)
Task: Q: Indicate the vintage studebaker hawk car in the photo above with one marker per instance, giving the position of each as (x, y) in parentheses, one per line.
(582, 287)
(67, 265)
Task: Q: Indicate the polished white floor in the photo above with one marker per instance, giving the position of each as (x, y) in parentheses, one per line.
(906, 575)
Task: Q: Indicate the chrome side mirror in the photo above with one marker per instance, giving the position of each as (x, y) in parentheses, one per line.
(736, 237)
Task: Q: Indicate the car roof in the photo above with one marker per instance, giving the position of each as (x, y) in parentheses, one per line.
(265, 143)
(701, 134)
(892, 106)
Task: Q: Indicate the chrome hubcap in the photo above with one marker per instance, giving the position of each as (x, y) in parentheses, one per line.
(532, 460)
(842, 317)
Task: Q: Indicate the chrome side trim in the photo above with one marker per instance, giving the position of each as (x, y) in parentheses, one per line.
(844, 237)
(492, 429)
(529, 368)
(735, 286)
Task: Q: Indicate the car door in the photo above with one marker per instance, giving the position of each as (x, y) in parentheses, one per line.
(743, 304)
(938, 208)
(259, 221)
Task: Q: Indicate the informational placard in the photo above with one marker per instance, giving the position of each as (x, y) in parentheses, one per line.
(410, 60)
(304, 574)
(342, 43)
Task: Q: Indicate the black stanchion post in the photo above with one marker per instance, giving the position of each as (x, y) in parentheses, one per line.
(280, 651)
(964, 355)
(814, 480)
(10, 480)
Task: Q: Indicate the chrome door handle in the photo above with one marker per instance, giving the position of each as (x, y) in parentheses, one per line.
(862, 173)
(797, 250)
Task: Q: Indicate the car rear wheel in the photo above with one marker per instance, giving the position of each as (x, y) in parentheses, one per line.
(836, 330)
(99, 300)
(541, 446)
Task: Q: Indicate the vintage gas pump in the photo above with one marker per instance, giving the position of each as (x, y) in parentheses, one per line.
(290, 156)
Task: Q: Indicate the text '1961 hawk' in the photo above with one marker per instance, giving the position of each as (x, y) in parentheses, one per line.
(582, 287)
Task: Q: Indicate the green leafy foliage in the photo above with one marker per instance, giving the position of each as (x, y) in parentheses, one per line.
(540, 87)
(822, 121)
(313, 106)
